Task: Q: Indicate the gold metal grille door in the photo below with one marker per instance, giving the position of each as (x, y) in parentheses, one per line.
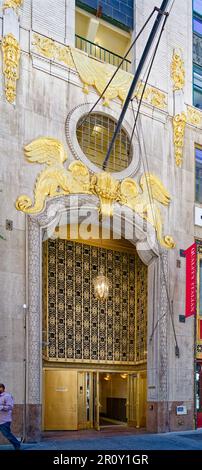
(78, 327)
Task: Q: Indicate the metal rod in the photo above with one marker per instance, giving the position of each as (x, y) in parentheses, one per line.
(146, 51)
(24, 434)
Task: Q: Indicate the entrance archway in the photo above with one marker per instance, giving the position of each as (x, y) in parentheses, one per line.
(157, 304)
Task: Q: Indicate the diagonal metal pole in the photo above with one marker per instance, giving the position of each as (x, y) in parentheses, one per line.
(161, 13)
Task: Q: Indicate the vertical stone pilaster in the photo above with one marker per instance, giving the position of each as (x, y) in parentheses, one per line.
(34, 326)
(157, 409)
(34, 331)
(163, 319)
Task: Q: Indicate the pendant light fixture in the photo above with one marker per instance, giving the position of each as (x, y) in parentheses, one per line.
(101, 283)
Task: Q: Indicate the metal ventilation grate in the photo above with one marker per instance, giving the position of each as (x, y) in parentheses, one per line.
(94, 137)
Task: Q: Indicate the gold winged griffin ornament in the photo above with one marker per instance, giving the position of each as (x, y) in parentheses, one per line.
(145, 202)
(55, 180)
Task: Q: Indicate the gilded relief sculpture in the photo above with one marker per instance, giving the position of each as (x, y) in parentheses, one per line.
(55, 180)
(180, 119)
(96, 74)
(177, 71)
(52, 50)
(194, 116)
(179, 123)
(106, 188)
(11, 55)
(11, 60)
(144, 201)
(12, 4)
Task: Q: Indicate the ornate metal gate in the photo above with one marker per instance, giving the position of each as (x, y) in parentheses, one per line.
(78, 327)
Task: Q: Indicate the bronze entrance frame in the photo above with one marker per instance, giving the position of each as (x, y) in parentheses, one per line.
(72, 398)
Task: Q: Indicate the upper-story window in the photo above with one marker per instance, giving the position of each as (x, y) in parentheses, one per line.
(103, 30)
(197, 77)
(198, 175)
(116, 12)
(197, 5)
(197, 53)
(197, 23)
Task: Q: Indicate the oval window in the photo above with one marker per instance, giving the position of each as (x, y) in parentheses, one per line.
(94, 134)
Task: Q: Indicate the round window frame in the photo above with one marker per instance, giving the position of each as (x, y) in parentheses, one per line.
(71, 135)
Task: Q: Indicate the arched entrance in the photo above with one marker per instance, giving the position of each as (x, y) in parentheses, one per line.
(157, 305)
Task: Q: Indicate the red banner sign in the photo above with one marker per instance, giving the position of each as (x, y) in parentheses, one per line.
(190, 254)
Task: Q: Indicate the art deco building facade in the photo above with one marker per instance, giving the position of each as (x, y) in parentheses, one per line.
(71, 359)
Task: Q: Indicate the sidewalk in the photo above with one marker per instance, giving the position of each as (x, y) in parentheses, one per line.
(187, 440)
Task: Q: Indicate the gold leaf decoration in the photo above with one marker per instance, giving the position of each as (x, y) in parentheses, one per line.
(177, 71)
(12, 4)
(52, 50)
(97, 74)
(55, 180)
(11, 60)
(194, 116)
(151, 95)
(179, 124)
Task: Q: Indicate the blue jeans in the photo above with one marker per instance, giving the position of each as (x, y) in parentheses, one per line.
(5, 429)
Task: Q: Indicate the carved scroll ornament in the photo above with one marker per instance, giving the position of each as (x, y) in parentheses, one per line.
(11, 60)
(179, 123)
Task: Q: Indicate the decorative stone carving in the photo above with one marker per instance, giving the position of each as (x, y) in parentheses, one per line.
(52, 50)
(177, 71)
(55, 180)
(179, 123)
(96, 74)
(11, 60)
(194, 116)
(152, 96)
(12, 4)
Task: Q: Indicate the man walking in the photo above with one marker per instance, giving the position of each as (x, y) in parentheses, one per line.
(6, 407)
